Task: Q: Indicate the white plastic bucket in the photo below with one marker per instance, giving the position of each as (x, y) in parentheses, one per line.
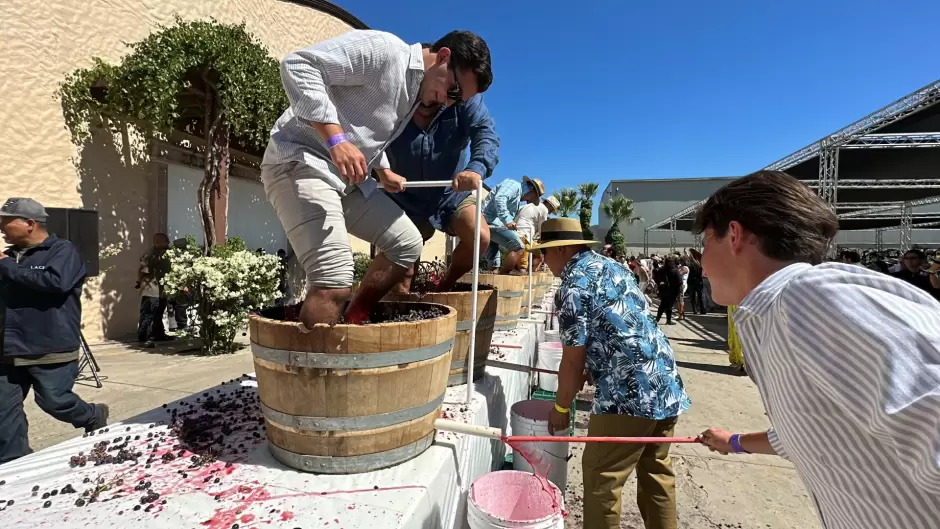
(530, 418)
(511, 499)
(549, 357)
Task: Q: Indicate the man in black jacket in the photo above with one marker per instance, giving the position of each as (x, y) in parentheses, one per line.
(41, 278)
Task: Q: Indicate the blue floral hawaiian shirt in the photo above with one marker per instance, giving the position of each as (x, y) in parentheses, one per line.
(601, 308)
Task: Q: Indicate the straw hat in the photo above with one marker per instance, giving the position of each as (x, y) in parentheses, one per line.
(536, 184)
(561, 231)
(553, 204)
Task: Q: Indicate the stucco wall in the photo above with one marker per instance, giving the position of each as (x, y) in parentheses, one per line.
(43, 41)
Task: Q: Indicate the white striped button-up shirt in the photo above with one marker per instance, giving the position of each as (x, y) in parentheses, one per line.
(368, 82)
(847, 361)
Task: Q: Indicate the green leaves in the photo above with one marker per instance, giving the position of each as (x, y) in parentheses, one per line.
(154, 83)
(620, 209)
(567, 201)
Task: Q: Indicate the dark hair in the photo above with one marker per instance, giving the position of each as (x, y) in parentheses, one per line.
(920, 253)
(162, 236)
(852, 255)
(790, 221)
(470, 52)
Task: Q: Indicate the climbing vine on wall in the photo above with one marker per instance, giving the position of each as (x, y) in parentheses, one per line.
(212, 80)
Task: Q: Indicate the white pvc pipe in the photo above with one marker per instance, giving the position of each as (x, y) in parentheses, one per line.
(476, 272)
(529, 316)
(476, 282)
(469, 429)
(428, 183)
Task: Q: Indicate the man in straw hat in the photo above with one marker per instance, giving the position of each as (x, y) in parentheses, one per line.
(605, 326)
(529, 225)
(846, 359)
(499, 210)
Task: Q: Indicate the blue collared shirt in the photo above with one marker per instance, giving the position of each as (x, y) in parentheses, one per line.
(438, 153)
(502, 204)
(601, 308)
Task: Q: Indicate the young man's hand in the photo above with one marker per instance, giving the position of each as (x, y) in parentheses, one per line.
(558, 421)
(717, 440)
(392, 182)
(466, 181)
(511, 225)
(350, 162)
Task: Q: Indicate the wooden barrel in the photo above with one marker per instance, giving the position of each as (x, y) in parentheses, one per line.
(510, 292)
(544, 283)
(486, 315)
(343, 399)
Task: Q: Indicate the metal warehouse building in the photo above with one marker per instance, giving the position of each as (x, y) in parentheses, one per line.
(881, 174)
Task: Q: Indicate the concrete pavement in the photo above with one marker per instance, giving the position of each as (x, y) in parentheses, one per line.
(137, 380)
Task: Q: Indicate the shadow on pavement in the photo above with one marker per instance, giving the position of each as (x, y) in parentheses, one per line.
(711, 368)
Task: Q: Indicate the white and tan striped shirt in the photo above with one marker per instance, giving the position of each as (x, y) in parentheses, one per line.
(847, 361)
(366, 81)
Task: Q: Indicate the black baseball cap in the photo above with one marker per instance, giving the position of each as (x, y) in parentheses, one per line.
(24, 208)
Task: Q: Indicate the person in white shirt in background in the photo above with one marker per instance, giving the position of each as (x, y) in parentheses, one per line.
(847, 360)
(684, 276)
(529, 226)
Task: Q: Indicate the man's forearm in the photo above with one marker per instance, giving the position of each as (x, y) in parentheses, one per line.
(327, 130)
(570, 381)
(935, 281)
(757, 443)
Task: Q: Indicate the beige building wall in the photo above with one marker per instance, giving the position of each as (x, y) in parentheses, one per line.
(44, 41)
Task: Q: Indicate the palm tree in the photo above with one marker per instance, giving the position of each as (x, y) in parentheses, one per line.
(567, 201)
(619, 209)
(588, 191)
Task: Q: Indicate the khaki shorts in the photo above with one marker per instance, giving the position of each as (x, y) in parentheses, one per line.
(318, 221)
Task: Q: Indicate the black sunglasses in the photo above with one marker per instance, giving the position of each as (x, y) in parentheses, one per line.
(455, 94)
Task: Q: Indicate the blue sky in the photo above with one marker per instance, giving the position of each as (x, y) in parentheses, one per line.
(605, 90)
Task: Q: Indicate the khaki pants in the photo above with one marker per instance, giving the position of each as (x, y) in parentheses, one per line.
(318, 220)
(607, 466)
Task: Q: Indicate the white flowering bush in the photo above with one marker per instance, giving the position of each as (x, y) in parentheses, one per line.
(225, 287)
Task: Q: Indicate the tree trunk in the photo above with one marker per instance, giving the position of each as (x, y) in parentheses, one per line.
(213, 190)
(585, 214)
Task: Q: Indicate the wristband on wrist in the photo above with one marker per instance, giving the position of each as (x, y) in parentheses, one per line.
(336, 139)
(559, 409)
(736, 444)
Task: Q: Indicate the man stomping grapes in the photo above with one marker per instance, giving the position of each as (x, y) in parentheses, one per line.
(431, 148)
(350, 97)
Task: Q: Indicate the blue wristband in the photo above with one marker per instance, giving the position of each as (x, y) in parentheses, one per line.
(736, 444)
(336, 139)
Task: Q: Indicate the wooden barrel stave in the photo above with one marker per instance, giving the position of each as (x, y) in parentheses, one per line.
(463, 303)
(511, 289)
(369, 418)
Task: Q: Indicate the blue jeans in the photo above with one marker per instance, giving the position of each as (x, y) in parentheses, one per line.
(430, 211)
(53, 386)
(504, 238)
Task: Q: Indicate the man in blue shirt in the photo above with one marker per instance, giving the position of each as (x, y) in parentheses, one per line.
(606, 327)
(499, 210)
(432, 147)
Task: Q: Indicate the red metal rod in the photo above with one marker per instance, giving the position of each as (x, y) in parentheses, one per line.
(622, 440)
(505, 346)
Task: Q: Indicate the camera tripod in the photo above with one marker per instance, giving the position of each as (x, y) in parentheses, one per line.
(88, 361)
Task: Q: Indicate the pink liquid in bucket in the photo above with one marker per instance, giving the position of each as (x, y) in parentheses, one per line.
(515, 497)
